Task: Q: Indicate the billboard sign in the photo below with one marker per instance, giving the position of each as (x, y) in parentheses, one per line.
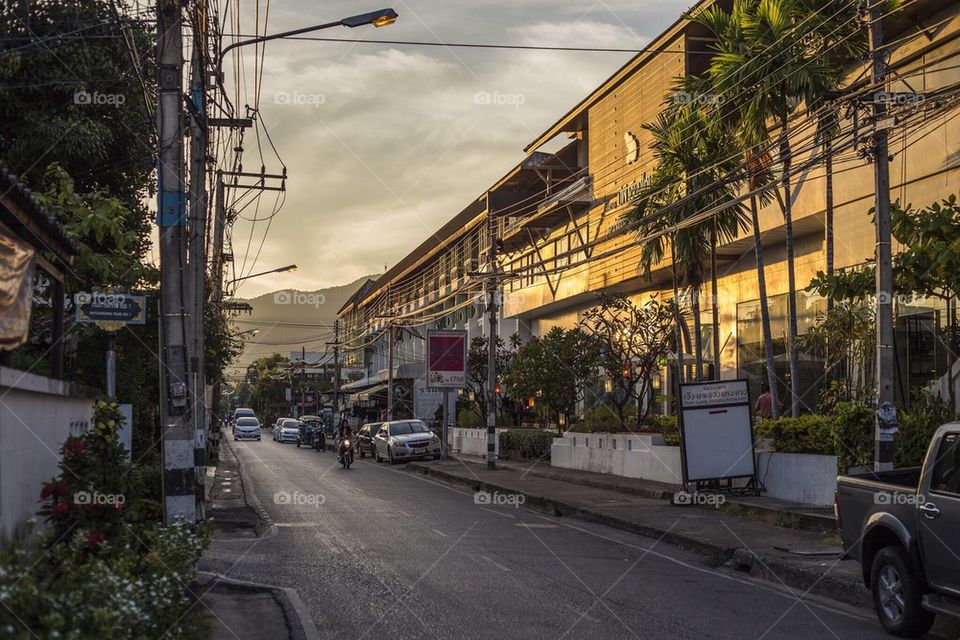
(447, 359)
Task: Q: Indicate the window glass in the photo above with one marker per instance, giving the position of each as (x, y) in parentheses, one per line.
(946, 468)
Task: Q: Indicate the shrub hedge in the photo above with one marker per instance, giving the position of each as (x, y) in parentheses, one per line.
(532, 444)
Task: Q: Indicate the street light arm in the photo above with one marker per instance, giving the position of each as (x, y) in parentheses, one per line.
(291, 267)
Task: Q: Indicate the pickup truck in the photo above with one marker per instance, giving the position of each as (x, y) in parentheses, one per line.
(904, 528)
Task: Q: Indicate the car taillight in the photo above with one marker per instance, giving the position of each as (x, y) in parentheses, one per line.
(836, 511)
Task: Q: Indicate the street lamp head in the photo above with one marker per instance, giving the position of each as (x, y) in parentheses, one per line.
(378, 19)
(289, 267)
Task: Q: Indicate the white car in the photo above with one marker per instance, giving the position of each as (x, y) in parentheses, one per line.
(246, 427)
(288, 431)
(405, 439)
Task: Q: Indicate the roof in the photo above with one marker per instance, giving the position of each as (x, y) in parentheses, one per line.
(357, 296)
(25, 216)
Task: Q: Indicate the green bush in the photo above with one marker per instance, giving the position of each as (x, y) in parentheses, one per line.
(469, 419)
(106, 567)
(854, 433)
(917, 425)
(603, 419)
(666, 425)
(806, 434)
(532, 444)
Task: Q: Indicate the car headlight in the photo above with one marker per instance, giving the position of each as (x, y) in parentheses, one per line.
(399, 444)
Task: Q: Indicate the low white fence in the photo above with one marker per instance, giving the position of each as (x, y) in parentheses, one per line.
(472, 442)
(804, 478)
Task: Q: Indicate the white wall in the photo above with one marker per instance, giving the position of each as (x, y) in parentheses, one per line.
(630, 456)
(798, 477)
(472, 442)
(36, 416)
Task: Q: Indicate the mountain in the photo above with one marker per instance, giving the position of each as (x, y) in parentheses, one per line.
(289, 319)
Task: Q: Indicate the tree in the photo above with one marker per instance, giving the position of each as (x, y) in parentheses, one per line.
(267, 379)
(477, 366)
(556, 369)
(772, 57)
(692, 151)
(632, 343)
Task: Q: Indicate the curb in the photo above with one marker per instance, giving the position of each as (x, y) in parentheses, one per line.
(770, 568)
(292, 604)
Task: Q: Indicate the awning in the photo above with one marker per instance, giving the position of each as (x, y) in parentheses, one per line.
(367, 394)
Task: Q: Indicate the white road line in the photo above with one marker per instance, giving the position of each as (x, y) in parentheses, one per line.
(495, 563)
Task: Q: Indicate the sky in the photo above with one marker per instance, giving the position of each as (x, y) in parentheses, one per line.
(384, 143)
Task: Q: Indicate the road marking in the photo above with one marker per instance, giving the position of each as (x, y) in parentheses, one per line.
(495, 563)
(440, 533)
(297, 524)
(502, 515)
(404, 513)
(534, 525)
(582, 614)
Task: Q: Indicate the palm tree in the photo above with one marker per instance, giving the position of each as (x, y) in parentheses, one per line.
(770, 60)
(692, 151)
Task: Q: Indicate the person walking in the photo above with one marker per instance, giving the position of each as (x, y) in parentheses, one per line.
(764, 406)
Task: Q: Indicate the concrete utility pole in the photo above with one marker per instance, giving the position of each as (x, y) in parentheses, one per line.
(179, 469)
(336, 365)
(886, 420)
(390, 337)
(197, 265)
(491, 290)
(219, 222)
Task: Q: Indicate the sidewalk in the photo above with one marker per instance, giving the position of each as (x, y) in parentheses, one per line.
(807, 561)
(237, 608)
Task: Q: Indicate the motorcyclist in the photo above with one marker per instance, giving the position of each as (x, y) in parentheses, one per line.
(343, 432)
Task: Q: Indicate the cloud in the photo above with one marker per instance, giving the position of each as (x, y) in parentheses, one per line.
(383, 144)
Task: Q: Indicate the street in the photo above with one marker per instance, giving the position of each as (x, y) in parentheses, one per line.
(375, 551)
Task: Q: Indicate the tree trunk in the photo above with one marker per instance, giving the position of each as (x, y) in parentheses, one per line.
(697, 331)
(764, 310)
(791, 274)
(828, 222)
(715, 303)
(677, 321)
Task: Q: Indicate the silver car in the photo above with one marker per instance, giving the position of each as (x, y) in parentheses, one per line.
(289, 430)
(246, 428)
(405, 439)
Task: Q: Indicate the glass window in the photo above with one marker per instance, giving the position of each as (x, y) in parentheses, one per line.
(406, 428)
(946, 468)
(248, 422)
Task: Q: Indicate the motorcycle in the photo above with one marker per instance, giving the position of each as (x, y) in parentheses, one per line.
(345, 452)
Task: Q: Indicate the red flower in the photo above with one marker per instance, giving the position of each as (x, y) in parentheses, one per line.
(73, 448)
(47, 491)
(53, 489)
(95, 537)
(59, 509)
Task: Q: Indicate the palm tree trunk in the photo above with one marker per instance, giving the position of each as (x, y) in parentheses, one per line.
(764, 310)
(791, 274)
(716, 306)
(697, 331)
(828, 223)
(677, 322)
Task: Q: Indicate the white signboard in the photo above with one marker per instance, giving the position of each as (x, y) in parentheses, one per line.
(716, 431)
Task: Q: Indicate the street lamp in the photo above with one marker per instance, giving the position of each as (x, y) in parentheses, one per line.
(289, 267)
(378, 19)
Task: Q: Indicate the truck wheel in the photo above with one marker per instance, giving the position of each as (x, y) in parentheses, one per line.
(897, 594)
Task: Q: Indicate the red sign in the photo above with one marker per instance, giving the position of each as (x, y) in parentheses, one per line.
(446, 358)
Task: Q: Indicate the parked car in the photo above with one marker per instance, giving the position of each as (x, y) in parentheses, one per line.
(289, 430)
(246, 427)
(405, 439)
(903, 526)
(365, 439)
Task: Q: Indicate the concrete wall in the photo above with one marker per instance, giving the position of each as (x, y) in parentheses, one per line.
(36, 416)
(798, 477)
(631, 456)
(808, 479)
(472, 442)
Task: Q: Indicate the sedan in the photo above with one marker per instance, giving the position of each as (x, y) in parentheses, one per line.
(246, 428)
(405, 439)
(289, 430)
(365, 439)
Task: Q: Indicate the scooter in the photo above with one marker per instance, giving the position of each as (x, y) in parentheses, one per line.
(345, 452)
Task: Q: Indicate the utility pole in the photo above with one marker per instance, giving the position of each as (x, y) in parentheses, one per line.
(179, 470)
(336, 365)
(219, 222)
(886, 419)
(197, 265)
(390, 372)
(491, 287)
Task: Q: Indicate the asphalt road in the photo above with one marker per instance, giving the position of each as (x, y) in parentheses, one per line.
(376, 551)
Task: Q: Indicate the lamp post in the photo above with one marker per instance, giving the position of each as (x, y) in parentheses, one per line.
(289, 267)
(378, 19)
